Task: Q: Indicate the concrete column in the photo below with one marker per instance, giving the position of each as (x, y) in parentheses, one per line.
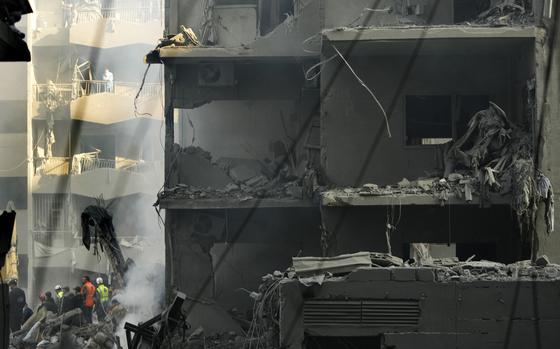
(548, 125)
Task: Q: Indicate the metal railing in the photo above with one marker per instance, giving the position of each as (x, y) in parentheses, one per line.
(134, 15)
(61, 166)
(53, 166)
(69, 91)
(52, 212)
(126, 89)
(44, 92)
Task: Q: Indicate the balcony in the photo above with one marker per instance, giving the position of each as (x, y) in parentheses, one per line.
(54, 97)
(114, 27)
(89, 176)
(96, 101)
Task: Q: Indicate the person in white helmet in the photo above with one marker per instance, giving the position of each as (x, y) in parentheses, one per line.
(102, 298)
(59, 295)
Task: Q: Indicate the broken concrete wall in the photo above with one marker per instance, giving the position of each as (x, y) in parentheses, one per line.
(548, 124)
(212, 255)
(355, 145)
(253, 81)
(230, 25)
(240, 129)
(489, 233)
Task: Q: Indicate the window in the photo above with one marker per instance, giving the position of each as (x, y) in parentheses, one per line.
(428, 120)
(467, 10)
(274, 12)
(432, 120)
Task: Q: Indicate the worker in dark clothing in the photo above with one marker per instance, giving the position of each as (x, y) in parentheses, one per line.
(48, 302)
(78, 299)
(17, 302)
(67, 300)
(27, 313)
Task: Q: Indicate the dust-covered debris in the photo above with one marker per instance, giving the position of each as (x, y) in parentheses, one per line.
(507, 12)
(494, 158)
(246, 179)
(51, 331)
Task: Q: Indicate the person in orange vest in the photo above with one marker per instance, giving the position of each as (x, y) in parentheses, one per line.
(88, 293)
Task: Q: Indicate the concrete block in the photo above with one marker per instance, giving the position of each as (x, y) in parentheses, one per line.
(370, 274)
(425, 274)
(403, 274)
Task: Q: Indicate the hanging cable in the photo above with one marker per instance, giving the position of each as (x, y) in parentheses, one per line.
(367, 89)
(136, 113)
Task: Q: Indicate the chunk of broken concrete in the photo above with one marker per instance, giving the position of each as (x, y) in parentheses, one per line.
(455, 177)
(542, 261)
(404, 183)
(242, 173)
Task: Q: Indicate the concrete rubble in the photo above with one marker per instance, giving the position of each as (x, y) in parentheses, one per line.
(493, 158)
(262, 326)
(48, 330)
(240, 179)
(507, 12)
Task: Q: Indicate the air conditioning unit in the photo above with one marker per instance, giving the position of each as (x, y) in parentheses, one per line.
(216, 74)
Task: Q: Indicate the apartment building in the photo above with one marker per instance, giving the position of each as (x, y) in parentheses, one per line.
(95, 116)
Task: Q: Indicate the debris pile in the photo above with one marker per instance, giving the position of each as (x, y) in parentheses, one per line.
(454, 270)
(240, 179)
(493, 157)
(507, 12)
(47, 330)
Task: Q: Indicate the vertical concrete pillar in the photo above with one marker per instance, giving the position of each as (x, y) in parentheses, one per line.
(548, 124)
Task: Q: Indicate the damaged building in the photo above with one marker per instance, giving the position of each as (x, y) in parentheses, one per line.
(420, 132)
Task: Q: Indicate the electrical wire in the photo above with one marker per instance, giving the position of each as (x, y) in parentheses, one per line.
(27, 159)
(367, 89)
(136, 113)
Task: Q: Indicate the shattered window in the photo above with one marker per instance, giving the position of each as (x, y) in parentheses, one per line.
(428, 120)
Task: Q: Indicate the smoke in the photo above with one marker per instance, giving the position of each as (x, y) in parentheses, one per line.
(143, 296)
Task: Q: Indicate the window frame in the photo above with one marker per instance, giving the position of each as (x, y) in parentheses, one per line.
(454, 114)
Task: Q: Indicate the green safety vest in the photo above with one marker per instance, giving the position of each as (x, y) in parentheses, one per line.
(103, 293)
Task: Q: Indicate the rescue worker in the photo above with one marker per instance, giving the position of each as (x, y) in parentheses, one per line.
(27, 313)
(47, 302)
(59, 296)
(102, 299)
(67, 300)
(17, 302)
(88, 292)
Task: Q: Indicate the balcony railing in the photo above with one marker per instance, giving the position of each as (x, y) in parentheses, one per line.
(53, 166)
(64, 93)
(46, 92)
(86, 162)
(134, 15)
(125, 89)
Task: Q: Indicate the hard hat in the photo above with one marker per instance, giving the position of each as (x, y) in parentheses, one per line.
(99, 280)
(58, 287)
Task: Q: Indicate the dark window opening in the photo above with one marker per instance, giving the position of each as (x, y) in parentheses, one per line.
(485, 251)
(428, 120)
(467, 10)
(272, 13)
(312, 342)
